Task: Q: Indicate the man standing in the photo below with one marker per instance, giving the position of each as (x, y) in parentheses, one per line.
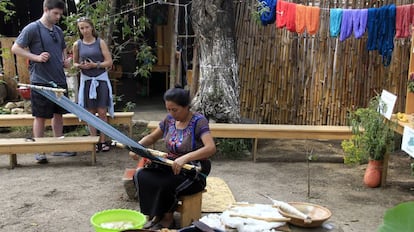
(47, 55)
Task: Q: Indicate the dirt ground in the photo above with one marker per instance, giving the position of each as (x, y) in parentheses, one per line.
(64, 194)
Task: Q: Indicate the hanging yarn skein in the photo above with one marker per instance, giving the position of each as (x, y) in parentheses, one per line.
(359, 21)
(291, 17)
(386, 48)
(312, 19)
(346, 25)
(268, 11)
(281, 13)
(300, 18)
(335, 18)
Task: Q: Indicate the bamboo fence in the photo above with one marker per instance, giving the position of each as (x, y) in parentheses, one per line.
(290, 78)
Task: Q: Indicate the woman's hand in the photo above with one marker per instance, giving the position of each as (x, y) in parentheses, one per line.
(67, 62)
(178, 164)
(87, 65)
(133, 155)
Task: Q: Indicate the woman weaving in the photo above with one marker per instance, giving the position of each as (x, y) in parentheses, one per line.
(188, 140)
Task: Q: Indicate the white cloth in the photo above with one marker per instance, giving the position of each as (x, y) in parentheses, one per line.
(92, 90)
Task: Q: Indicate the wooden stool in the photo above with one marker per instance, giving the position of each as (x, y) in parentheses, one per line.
(190, 208)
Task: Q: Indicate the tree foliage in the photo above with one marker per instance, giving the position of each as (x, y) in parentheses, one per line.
(6, 6)
(118, 27)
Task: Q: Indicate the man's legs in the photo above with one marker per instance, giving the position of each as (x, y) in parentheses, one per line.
(38, 127)
(38, 132)
(57, 127)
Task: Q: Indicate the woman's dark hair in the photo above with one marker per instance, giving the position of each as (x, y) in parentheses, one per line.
(178, 95)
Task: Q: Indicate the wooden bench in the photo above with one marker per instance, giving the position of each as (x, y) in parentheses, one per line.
(273, 131)
(10, 120)
(14, 146)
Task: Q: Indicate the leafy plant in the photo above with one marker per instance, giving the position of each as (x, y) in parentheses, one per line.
(4, 110)
(410, 84)
(261, 8)
(5, 7)
(398, 218)
(78, 131)
(129, 106)
(22, 129)
(412, 168)
(232, 148)
(116, 29)
(373, 134)
(355, 154)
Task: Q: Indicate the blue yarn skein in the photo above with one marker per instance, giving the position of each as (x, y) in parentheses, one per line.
(267, 17)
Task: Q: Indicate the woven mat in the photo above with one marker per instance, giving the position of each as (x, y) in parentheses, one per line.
(218, 196)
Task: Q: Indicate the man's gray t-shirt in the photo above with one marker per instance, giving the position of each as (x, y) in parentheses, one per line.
(54, 43)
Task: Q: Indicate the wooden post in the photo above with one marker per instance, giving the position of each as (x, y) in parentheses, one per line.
(385, 170)
(174, 35)
(409, 100)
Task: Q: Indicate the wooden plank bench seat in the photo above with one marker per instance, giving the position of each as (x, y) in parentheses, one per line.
(10, 120)
(273, 131)
(14, 146)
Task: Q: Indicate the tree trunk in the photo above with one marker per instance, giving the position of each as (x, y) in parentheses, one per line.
(218, 94)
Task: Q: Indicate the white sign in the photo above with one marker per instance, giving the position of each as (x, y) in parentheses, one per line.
(407, 144)
(388, 99)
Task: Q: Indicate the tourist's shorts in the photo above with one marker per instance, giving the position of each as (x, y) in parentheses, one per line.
(43, 107)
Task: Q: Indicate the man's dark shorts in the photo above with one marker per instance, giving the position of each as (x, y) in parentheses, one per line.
(43, 107)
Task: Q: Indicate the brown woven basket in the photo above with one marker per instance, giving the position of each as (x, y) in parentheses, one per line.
(317, 213)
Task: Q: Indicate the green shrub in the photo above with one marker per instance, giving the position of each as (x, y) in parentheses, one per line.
(353, 152)
(232, 148)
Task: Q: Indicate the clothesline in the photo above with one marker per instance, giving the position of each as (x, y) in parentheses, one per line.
(382, 24)
(329, 8)
(150, 4)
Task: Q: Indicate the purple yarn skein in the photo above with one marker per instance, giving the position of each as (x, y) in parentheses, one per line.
(346, 25)
(360, 18)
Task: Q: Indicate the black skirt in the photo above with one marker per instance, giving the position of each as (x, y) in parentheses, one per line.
(157, 188)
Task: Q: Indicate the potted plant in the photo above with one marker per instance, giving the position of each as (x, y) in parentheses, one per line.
(410, 83)
(373, 138)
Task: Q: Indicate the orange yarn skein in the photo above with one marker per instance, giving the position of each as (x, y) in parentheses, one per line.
(300, 18)
(312, 19)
